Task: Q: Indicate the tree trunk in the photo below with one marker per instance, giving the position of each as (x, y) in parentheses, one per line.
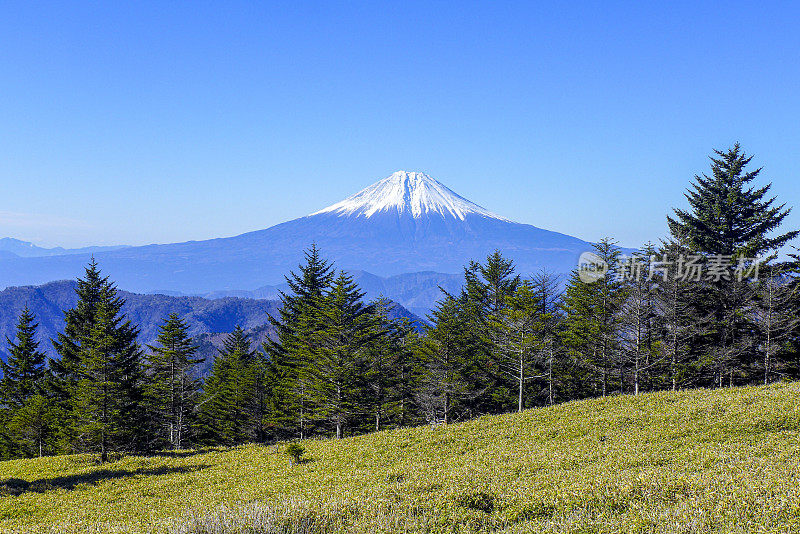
(550, 375)
(521, 382)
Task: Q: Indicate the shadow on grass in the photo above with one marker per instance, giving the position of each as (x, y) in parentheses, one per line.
(15, 486)
(178, 454)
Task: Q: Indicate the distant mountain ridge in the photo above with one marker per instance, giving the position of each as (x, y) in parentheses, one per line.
(10, 247)
(417, 292)
(207, 318)
(406, 223)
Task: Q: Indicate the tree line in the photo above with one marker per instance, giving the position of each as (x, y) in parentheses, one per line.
(711, 305)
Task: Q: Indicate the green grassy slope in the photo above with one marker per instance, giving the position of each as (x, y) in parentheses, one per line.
(695, 461)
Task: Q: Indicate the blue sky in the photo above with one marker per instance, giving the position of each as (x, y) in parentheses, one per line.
(146, 122)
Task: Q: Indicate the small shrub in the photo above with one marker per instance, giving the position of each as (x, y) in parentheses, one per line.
(295, 452)
(478, 500)
(396, 478)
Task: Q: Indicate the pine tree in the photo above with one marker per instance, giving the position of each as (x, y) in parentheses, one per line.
(225, 409)
(289, 356)
(32, 427)
(337, 370)
(79, 321)
(639, 317)
(591, 322)
(486, 289)
(100, 397)
(171, 387)
(730, 221)
(449, 344)
(548, 292)
(517, 333)
(99, 354)
(25, 372)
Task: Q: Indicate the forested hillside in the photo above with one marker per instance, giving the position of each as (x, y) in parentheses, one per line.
(714, 305)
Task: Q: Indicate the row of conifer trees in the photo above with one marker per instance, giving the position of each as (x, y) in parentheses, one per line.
(336, 365)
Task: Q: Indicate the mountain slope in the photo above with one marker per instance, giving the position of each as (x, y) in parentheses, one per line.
(406, 223)
(699, 461)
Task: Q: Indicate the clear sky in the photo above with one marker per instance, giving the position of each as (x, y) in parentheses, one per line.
(135, 122)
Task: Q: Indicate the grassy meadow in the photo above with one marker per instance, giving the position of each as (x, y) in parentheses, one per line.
(694, 461)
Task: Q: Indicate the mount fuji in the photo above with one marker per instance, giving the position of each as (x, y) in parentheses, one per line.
(406, 223)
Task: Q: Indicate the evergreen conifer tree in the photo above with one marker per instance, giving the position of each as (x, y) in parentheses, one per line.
(339, 363)
(101, 399)
(79, 321)
(385, 355)
(517, 334)
(226, 408)
(99, 354)
(289, 356)
(171, 388)
(591, 322)
(27, 414)
(730, 222)
(486, 289)
(449, 342)
(24, 372)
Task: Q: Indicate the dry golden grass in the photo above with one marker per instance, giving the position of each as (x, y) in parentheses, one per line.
(689, 462)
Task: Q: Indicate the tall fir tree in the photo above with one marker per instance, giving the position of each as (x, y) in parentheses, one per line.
(338, 367)
(226, 408)
(251, 382)
(517, 334)
(78, 322)
(101, 402)
(290, 354)
(591, 324)
(171, 386)
(24, 372)
(98, 351)
(26, 413)
(447, 387)
(486, 289)
(732, 223)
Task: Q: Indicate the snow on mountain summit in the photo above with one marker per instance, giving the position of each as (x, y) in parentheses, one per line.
(408, 192)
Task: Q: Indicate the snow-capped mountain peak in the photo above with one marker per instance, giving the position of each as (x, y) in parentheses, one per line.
(415, 193)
